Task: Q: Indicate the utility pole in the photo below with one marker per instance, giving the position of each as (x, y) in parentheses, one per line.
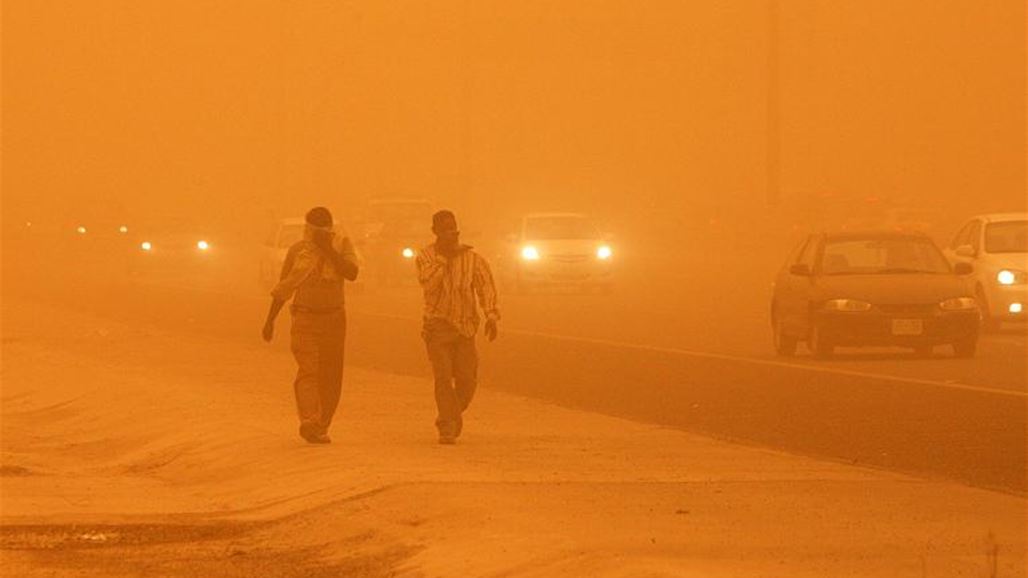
(774, 137)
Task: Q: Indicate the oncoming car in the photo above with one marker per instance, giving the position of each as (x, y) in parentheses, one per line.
(394, 229)
(872, 289)
(997, 246)
(559, 249)
(176, 246)
(392, 252)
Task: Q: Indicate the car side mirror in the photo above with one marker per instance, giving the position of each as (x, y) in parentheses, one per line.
(801, 269)
(963, 269)
(965, 251)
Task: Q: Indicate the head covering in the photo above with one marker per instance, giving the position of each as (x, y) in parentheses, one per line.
(319, 217)
(441, 217)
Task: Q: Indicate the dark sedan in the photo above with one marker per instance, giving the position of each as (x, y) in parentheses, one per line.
(872, 289)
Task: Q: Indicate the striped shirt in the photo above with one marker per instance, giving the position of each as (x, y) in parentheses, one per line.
(452, 284)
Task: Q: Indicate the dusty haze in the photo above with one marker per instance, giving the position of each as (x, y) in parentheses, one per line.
(649, 414)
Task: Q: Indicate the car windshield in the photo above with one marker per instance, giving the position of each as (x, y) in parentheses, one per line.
(1008, 237)
(289, 235)
(563, 227)
(882, 256)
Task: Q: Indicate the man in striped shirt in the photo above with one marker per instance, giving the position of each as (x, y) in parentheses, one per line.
(452, 276)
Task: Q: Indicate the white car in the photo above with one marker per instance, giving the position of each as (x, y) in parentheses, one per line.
(997, 246)
(559, 249)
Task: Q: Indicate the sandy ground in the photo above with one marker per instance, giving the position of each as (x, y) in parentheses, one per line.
(131, 451)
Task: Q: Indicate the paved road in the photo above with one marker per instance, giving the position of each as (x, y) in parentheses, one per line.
(694, 360)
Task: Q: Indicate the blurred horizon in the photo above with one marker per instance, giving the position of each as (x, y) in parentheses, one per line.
(651, 115)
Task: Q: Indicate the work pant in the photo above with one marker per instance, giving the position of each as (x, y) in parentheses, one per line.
(317, 344)
(455, 368)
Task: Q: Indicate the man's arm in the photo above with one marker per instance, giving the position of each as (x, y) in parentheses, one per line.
(485, 287)
(343, 260)
(297, 266)
(431, 268)
(269, 323)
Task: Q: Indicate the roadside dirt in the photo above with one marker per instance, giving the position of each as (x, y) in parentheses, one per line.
(128, 450)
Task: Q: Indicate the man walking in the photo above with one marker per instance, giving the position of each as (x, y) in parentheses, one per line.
(312, 275)
(452, 275)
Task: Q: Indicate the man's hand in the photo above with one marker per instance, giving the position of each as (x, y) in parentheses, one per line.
(491, 331)
(323, 240)
(268, 332)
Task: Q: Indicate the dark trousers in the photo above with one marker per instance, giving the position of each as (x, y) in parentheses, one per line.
(317, 343)
(455, 368)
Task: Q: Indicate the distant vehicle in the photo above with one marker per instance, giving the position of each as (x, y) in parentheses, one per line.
(99, 231)
(872, 289)
(558, 249)
(174, 244)
(394, 230)
(276, 247)
(997, 246)
(94, 240)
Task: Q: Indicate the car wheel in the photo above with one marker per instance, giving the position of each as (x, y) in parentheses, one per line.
(819, 346)
(785, 345)
(989, 323)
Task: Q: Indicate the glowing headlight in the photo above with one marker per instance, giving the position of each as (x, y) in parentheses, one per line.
(958, 304)
(202, 245)
(81, 230)
(1010, 277)
(123, 229)
(604, 253)
(847, 305)
(145, 245)
(1015, 308)
(530, 254)
(407, 253)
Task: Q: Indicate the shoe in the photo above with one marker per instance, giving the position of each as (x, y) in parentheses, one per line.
(447, 440)
(313, 434)
(321, 438)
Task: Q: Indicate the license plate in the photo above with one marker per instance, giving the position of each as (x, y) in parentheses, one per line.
(907, 326)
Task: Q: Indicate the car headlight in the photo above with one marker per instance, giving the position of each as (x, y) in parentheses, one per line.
(1011, 277)
(146, 246)
(530, 253)
(203, 245)
(850, 305)
(959, 304)
(407, 253)
(604, 252)
(81, 230)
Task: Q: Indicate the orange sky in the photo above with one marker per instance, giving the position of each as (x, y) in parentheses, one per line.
(257, 108)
